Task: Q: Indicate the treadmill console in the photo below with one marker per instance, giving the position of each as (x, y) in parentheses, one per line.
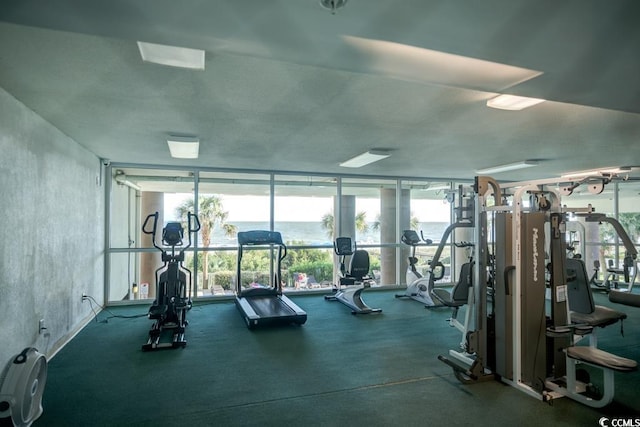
(259, 237)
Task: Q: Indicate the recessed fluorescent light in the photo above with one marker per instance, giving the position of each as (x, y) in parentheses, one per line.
(508, 167)
(183, 147)
(173, 56)
(365, 158)
(512, 102)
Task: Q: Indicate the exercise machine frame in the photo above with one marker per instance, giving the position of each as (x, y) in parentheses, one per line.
(418, 286)
(517, 341)
(351, 283)
(265, 305)
(173, 299)
(421, 289)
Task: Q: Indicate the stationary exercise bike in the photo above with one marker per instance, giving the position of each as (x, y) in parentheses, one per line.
(169, 310)
(419, 287)
(354, 281)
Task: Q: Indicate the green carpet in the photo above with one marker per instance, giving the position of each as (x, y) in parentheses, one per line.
(337, 369)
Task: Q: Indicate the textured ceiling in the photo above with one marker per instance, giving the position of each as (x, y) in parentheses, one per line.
(288, 86)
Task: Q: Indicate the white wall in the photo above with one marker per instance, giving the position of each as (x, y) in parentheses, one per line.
(51, 231)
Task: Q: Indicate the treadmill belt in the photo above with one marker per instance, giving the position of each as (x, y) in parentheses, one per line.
(269, 306)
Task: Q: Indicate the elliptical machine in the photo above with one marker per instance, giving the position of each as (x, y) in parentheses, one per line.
(169, 310)
(419, 287)
(352, 282)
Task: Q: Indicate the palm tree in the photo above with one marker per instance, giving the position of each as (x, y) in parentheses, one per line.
(414, 223)
(210, 214)
(361, 223)
(327, 224)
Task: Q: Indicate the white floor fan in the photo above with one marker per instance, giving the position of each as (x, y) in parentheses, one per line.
(21, 388)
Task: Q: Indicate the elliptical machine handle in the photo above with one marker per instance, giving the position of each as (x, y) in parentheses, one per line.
(196, 221)
(146, 223)
(190, 227)
(153, 230)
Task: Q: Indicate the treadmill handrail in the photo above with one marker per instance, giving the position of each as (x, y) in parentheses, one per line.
(261, 238)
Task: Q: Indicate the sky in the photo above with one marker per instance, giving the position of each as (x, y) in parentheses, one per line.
(311, 209)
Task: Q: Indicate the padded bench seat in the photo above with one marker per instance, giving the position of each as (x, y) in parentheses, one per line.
(601, 316)
(601, 358)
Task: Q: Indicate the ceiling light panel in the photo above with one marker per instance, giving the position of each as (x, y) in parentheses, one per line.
(512, 102)
(184, 147)
(365, 159)
(173, 56)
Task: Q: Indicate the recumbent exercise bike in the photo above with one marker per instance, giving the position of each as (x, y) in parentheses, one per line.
(351, 283)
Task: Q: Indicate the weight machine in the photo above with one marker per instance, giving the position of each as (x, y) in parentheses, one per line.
(518, 339)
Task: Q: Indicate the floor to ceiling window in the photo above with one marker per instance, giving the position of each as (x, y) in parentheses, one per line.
(429, 216)
(310, 212)
(133, 260)
(304, 214)
(597, 242)
(230, 203)
(368, 215)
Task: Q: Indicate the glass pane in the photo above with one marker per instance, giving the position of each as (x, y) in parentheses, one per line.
(304, 214)
(137, 193)
(304, 209)
(430, 212)
(228, 203)
(123, 276)
(242, 203)
(373, 210)
(429, 216)
(594, 242)
(308, 268)
(221, 272)
(369, 216)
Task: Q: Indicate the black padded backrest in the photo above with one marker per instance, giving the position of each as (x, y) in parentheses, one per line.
(578, 289)
(460, 292)
(359, 265)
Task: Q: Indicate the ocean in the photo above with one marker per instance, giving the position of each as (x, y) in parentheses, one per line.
(312, 233)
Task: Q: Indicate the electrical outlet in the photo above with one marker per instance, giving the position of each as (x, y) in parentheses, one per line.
(41, 326)
(84, 297)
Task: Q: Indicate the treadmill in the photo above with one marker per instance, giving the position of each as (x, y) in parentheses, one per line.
(265, 305)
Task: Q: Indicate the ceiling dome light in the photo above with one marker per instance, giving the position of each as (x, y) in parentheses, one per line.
(333, 5)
